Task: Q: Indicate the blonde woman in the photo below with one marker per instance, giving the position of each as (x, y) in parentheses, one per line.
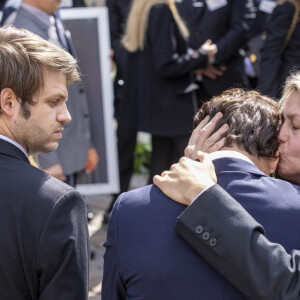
(159, 92)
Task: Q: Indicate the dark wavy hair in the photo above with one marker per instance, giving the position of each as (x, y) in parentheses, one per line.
(254, 120)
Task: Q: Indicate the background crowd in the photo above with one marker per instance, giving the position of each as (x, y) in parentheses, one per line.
(160, 82)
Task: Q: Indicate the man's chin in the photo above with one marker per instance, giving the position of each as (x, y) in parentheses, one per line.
(47, 149)
(52, 147)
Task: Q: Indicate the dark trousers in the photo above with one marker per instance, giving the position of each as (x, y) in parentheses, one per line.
(165, 152)
(126, 148)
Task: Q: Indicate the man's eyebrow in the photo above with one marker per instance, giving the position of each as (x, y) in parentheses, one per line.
(58, 96)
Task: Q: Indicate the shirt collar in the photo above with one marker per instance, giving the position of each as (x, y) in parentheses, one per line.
(229, 153)
(5, 138)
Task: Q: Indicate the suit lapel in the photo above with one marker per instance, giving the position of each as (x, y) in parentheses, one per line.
(25, 14)
(8, 149)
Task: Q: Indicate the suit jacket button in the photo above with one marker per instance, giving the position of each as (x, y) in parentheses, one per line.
(213, 242)
(205, 236)
(199, 229)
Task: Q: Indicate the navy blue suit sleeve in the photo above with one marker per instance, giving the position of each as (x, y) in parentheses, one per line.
(113, 287)
(168, 61)
(236, 36)
(243, 255)
(271, 60)
(62, 258)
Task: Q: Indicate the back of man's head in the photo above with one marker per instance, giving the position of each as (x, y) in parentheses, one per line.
(23, 58)
(254, 120)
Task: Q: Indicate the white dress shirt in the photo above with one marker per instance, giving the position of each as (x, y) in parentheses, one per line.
(5, 138)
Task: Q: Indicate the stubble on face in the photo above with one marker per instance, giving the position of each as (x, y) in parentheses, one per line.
(32, 136)
(41, 131)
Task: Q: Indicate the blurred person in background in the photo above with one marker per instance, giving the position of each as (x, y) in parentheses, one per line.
(159, 91)
(126, 137)
(226, 23)
(260, 12)
(280, 52)
(9, 6)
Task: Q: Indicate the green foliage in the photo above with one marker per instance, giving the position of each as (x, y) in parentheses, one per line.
(142, 157)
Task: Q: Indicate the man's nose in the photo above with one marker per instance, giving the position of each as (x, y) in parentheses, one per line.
(64, 115)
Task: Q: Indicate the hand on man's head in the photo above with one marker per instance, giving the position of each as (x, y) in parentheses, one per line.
(203, 139)
(187, 179)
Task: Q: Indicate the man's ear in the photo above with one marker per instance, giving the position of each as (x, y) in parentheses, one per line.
(8, 101)
(273, 163)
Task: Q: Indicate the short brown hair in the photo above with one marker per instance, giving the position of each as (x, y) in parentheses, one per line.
(23, 56)
(254, 120)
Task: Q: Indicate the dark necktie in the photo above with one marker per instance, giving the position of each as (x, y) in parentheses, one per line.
(64, 35)
(6, 13)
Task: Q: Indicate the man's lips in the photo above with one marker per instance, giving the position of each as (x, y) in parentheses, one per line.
(58, 132)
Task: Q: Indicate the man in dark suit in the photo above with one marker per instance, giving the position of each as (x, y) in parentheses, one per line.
(44, 236)
(227, 23)
(144, 256)
(258, 267)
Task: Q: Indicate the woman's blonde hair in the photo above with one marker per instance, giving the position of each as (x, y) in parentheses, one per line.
(292, 83)
(137, 23)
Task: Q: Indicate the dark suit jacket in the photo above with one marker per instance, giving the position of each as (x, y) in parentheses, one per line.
(43, 237)
(145, 259)
(228, 27)
(275, 66)
(259, 268)
(156, 79)
(118, 11)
